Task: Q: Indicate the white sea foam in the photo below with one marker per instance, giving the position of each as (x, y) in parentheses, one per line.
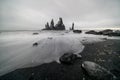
(16, 50)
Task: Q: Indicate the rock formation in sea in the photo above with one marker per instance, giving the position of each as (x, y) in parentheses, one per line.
(108, 32)
(72, 28)
(58, 26)
(52, 25)
(77, 31)
(47, 26)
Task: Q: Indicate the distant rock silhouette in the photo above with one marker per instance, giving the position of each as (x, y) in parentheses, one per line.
(58, 26)
(47, 26)
(91, 32)
(72, 28)
(108, 32)
(77, 31)
(52, 25)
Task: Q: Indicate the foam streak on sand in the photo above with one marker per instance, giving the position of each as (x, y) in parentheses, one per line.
(23, 54)
(48, 50)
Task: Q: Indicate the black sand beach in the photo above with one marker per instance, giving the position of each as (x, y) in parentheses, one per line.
(106, 54)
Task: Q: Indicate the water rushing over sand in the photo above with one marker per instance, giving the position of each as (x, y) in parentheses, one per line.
(16, 50)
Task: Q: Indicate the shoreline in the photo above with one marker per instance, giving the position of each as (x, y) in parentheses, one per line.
(105, 53)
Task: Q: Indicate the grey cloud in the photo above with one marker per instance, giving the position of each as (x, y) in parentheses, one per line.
(33, 14)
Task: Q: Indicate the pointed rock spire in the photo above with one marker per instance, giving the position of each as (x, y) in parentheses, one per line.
(60, 25)
(47, 26)
(72, 26)
(52, 24)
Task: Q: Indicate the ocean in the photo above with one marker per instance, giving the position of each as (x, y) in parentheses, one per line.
(17, 51)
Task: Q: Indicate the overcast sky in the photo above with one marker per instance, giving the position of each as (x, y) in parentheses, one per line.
(33, 14)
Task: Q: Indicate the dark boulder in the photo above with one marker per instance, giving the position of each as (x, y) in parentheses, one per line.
(35, 33)
(115, 33)
(91, 32)
(110, 32)
(68, 58)
(35, 44)
(77, 31)
(106, 32)
(97, 72)
(99, 33)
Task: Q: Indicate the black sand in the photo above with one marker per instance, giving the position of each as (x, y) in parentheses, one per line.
(106, 53)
